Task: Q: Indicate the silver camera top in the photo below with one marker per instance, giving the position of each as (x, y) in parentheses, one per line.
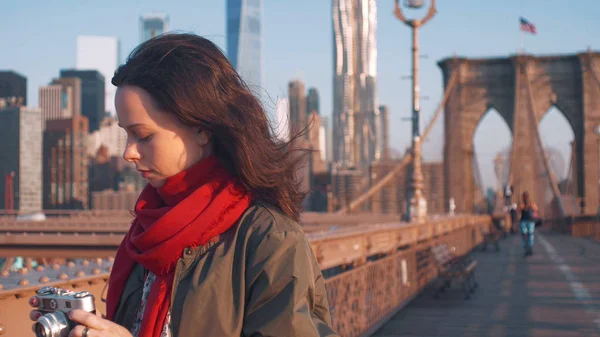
(58, 299)
(46, 291)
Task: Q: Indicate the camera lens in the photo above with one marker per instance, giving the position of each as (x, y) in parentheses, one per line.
(54, 324)
(40, 330)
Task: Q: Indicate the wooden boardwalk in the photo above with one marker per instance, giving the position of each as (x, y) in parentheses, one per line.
(555, 293)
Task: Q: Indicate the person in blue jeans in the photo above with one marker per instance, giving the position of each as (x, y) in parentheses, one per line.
(528, 210)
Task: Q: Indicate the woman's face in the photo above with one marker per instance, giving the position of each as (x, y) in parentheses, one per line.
(157, 142)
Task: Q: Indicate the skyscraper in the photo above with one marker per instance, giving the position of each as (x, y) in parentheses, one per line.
(152, 25)
(316, 141)
(13, 85)
(21, 164)
(312, 101)
(110, 135)
(384, 133)
(328, 139)
(297, 99)
(282, 119)
(60, 99)
(65, 163)
(354, 80)
(244, 39)
(51, 102)
(100, 53)
(372, 135)
(323, 138)
(92, 95)
(71, 95)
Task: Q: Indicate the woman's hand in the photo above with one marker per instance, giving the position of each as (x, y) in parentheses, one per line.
(96, 326)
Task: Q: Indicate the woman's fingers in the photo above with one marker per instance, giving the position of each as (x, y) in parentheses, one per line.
(88, 319)
(34, 315)
(34, 301)
(97, 326)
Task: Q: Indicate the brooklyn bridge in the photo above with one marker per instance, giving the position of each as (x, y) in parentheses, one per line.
(459, 271)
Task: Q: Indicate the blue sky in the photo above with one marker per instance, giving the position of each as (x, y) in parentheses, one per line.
(38, 38)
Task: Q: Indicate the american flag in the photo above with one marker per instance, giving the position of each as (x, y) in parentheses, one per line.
(527, 26)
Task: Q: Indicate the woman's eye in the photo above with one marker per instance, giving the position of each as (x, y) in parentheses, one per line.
(144, 139)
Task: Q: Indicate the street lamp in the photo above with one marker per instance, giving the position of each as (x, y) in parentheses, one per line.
(414, 3)
(417, 208)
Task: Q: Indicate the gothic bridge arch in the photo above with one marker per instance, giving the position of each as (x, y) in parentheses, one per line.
(569, 82)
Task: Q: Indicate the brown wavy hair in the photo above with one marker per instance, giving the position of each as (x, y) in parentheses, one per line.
(190, 77)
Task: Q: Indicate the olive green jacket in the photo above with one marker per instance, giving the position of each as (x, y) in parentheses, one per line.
(260, 278)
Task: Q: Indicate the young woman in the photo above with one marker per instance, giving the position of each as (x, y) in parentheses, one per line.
(528, 210)
(214, 249)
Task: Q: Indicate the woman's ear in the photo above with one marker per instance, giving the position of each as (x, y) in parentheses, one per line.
(203, 137)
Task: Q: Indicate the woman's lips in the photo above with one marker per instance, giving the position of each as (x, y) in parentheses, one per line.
(144, 173)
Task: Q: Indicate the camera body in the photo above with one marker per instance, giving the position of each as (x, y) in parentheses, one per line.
(55, 304)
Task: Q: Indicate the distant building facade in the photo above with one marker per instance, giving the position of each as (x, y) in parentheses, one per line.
(92, 94)
(346, 186)
(282, 119)
(65, 168)
(316, 138)
(297, 101)
(109, 135)
(103, 173)
(391, 199)
(13, 87)
(51, 103)
(312, 101)
(384, 132)
(21, 163)
(61, 99)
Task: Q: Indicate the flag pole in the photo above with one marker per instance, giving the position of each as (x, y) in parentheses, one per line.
(521, 50)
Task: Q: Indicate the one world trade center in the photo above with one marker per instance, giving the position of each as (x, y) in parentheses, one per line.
(244, 39)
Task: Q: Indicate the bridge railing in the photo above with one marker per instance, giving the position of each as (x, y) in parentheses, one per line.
(364, 297)
(580, 226)
(377, 268)
(68, 214)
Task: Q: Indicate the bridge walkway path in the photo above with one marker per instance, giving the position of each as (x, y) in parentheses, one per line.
(554, 293)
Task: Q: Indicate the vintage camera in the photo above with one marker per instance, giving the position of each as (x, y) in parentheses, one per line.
(55, 303)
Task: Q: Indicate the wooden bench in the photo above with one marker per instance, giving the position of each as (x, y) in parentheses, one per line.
(491, 235)
(452, 267)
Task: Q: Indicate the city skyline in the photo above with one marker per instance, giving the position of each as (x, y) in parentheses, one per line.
(298, 40)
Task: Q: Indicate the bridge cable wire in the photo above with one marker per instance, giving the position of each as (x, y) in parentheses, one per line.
(536, 133)
(570, 185)
(479, 200)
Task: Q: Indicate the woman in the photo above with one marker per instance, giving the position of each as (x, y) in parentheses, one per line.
(214, 249)
(528, 210)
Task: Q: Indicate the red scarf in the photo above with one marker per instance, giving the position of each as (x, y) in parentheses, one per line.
(189, 210)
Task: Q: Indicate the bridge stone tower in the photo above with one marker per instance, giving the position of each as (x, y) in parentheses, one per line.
(516, 87)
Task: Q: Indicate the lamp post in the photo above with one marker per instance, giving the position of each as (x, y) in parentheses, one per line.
(417, 208)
